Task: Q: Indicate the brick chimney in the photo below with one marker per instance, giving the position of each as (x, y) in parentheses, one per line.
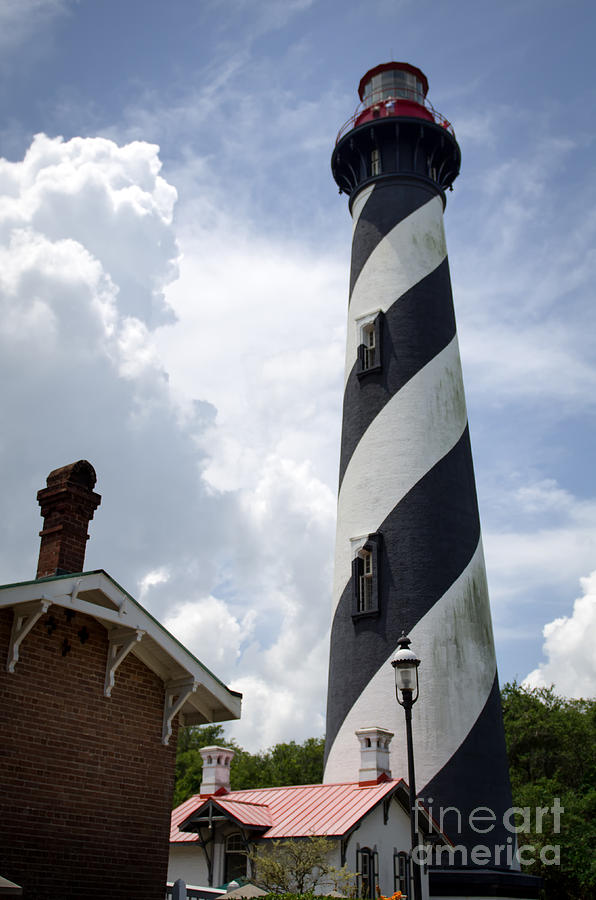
(216, 769)
(67, 506)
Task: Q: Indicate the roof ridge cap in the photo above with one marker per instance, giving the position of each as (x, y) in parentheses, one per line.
(229, 796)
(277, 787)
(295, 787)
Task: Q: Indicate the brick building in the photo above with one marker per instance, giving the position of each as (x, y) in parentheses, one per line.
(91, 692)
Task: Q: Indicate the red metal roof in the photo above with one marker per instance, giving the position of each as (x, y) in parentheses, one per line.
(319, 809)
(256, 814)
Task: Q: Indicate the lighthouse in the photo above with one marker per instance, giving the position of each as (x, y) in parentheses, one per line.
(408, 545)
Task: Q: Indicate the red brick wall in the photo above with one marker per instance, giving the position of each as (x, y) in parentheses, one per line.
(85, 782)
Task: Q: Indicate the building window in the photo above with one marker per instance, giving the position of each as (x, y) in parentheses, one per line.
(367, 865)
(235, 857)
(370, 343)
(365, 577)
(401, 872)
(375, 163)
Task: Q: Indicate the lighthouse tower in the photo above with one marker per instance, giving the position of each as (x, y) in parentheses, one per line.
(408, 547)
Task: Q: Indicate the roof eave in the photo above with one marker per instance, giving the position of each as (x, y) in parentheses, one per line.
(210, 701)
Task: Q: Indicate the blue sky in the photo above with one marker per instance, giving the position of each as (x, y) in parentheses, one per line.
(175, 266)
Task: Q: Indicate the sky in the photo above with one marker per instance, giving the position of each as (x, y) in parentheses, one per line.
(173, 293)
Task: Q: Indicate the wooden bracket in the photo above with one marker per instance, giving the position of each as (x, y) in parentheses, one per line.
(25, 617)
(122, 640)
(75, 590)
(386, 805)
(176, 694)
(344, 844)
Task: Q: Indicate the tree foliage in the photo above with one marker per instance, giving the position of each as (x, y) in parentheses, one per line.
(291, 866)
(551, 742)
(285, 763)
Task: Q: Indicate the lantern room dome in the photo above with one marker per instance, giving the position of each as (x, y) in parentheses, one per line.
(391, 80)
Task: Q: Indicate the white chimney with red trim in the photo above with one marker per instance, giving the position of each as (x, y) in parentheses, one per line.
(374, 754)
(216, 769)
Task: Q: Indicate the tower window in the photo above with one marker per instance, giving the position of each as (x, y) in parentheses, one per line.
(365, 578)
(375, 162)
(368, 332)
(369, 349)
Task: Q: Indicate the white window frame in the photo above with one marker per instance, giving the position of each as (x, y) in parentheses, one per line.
(362, 322)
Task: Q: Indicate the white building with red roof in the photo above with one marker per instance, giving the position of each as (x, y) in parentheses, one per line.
(367, 819)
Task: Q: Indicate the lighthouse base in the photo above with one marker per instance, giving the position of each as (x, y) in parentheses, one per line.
(476, 884)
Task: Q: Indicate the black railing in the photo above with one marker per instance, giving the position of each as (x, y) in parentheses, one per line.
(386, 105)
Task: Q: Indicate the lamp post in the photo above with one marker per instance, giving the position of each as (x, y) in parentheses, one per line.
(405, 663)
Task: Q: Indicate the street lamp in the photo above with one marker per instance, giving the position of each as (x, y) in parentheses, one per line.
(405, 663)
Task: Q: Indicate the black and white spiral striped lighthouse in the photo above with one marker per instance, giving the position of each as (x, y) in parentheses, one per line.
(408, 547)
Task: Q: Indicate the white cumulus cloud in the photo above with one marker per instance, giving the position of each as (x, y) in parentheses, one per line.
(569, 648)
(212, 632)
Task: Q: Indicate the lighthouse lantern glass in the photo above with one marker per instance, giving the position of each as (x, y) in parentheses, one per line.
(391, 84)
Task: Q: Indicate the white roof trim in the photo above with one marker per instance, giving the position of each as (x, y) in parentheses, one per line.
(210, 701)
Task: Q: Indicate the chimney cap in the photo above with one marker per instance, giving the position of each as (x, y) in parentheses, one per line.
(80, 472)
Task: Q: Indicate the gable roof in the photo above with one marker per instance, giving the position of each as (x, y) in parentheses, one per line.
(97, 594)
(289, 812)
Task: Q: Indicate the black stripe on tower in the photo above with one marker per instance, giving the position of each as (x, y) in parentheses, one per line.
(477, 775)
(429, 539)
(381, 213)
(415, 328)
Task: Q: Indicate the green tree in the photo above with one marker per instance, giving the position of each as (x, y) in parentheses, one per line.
(551, 743)
(292, 866)
(285, 763)
(297, 763)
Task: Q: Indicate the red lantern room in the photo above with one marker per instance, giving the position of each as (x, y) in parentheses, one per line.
(393, 80)
(394, 89)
